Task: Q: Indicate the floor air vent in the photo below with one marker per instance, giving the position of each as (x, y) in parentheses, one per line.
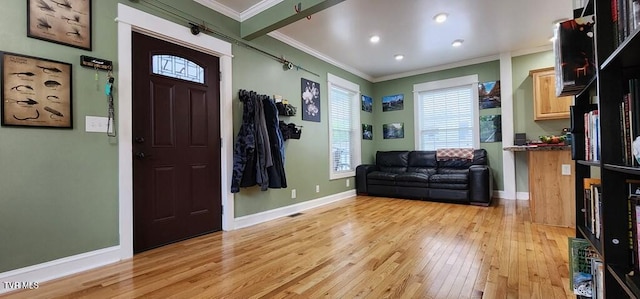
(295, 214)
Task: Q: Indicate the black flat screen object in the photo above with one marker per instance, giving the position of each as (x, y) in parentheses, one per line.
(520, 139)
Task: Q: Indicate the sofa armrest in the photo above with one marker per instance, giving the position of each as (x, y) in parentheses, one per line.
(480, 185)
(361, 177)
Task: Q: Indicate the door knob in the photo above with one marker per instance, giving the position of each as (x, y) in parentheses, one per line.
(141, 155)
(139, 140)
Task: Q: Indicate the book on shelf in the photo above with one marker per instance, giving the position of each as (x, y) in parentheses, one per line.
(592, 135)
(625, 16)
(580, 259)
(629, 122)
(634, 226)
(592, 205)
(636, 13)
(597, 274)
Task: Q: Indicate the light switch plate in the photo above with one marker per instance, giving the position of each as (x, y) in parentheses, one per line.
(566, 169)
(96, 124)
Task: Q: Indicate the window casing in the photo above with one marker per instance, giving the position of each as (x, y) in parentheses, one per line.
(344, 127)
(447, 114)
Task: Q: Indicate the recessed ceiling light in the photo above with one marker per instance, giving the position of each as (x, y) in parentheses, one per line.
(457, 42)
(441, 17)
(398, 57)
(374, 39)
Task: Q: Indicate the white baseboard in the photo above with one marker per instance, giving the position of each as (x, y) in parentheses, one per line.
(265, 216)
(522, 195)
(503, 195)
(61, 267)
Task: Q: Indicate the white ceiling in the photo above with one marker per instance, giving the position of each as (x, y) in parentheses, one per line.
(340, 33)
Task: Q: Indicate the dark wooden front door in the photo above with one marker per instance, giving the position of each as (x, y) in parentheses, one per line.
(176, 143)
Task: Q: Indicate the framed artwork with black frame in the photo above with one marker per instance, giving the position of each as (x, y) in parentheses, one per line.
(66, 22)
(310, 93)
(36, 92)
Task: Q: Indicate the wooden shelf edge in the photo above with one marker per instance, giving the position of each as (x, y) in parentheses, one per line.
(625, 169)
(587, 235)
(623, 51)
(587, 87)
(589, 163)
(630, 287)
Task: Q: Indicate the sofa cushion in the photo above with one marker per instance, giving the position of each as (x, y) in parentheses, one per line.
(464, 171)
(423, 170)
(449, 186)
(382, 175)
(449, 178)
(413, 177)
(392, 161)
(422, 159)
(382, 178)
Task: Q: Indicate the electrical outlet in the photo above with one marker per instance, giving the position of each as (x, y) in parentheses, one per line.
(317, 188)
(348, 182)
(566, 169)
(293, 193)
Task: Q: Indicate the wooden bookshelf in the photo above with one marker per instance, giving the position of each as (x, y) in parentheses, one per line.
(618, 65)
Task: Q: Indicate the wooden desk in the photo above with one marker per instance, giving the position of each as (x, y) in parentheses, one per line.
(551, 194)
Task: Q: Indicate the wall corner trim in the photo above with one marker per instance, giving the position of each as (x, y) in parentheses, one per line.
(62, 267)
(265, 216)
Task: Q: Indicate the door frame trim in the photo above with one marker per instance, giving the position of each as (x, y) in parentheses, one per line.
(129, 20)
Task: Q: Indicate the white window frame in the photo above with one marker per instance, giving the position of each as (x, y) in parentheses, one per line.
(333, 80)
(471, 80)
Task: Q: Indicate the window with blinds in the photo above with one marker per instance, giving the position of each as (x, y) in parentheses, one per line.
(344, 126)
(447, 114)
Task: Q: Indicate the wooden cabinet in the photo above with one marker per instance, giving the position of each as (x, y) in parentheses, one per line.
(545, 103)
(551, 192)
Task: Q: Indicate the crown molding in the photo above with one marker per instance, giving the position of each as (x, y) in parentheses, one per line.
(438, 68)
(221, 9)
(258, 8)
(528, 51)
(304, 48)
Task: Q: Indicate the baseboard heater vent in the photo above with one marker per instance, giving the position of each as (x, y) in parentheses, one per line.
(295, 215)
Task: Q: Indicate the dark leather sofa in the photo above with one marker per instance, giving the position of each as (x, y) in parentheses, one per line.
(419, 175)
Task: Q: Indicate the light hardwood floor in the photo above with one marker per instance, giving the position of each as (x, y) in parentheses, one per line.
(360, 247)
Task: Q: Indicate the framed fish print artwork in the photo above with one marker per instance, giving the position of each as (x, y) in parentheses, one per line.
(36, 92)
(66, 22)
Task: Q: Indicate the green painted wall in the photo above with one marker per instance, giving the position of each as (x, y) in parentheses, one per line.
(59, 188)
(489, 71)
(59, 192)
(307, 159)
(523, 110)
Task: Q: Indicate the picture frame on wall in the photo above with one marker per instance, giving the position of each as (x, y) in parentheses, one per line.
(393, 131)
(489, 95)
(310, 94)
(36, 92)
(367, 132)
(491, 128)
(65, 22)
(393, 102)
(367, 104)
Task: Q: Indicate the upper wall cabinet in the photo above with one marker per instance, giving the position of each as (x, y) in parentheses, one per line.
(545, 103)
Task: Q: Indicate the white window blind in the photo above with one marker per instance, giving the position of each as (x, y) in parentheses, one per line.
(344, 127)
(446, 114)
